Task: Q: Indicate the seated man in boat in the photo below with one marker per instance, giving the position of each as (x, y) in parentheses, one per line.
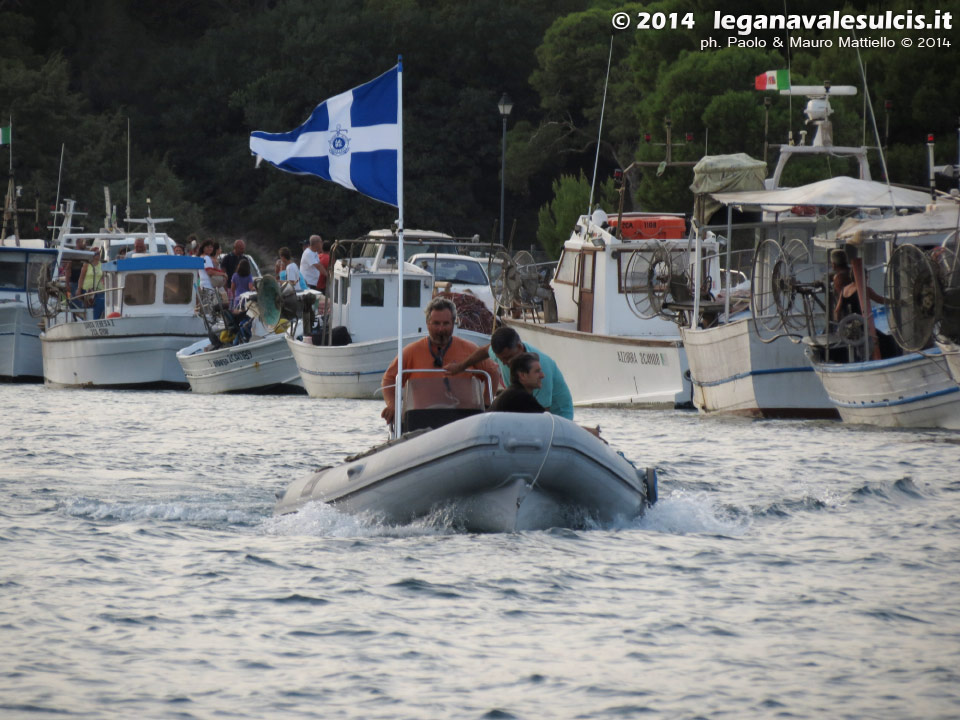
(430, 353)
(504, 346)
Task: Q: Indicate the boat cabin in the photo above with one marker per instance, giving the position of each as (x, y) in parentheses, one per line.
(601, 279)
(364, 297)
(151, 285)
(23, 266)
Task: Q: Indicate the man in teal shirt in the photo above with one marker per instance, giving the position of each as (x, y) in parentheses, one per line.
(505, 345)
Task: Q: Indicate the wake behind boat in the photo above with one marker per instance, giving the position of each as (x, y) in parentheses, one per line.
(488, 472)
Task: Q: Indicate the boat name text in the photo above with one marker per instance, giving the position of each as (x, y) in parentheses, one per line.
(98, 328)
(238, 356)
(628, 357)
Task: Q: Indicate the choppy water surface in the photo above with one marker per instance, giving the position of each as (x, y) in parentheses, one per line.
(790, 570)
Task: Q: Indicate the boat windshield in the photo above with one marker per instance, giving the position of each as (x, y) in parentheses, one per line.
(434, 392)
(435, 400)
(462, 272)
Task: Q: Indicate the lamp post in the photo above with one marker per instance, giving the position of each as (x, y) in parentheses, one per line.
(505, 106)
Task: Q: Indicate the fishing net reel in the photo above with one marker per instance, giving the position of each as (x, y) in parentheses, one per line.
(851, 330)
(948, 273)
(914, 288)
(654, 281)
(518, 283)
(783, 291)
(51, 296)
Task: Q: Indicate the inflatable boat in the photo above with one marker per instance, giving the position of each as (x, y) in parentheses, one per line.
(492, 472)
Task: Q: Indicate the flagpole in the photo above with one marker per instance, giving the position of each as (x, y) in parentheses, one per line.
(398, 386)
(11, 146)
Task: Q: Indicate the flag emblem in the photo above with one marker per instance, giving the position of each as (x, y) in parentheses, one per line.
(339, 143)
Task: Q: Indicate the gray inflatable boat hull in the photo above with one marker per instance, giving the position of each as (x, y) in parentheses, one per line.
(497, 472)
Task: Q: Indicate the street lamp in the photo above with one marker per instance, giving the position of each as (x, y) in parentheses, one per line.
(505, 106)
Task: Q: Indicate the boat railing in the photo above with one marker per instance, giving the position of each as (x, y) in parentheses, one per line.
(74, 308)
(722, 295)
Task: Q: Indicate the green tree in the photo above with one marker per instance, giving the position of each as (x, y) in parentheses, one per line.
(571, 196)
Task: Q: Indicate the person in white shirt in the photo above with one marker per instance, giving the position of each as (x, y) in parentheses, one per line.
(290, 267)
(206, 252)
(310, 266)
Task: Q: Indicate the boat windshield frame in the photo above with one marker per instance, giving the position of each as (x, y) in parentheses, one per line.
(482, 374)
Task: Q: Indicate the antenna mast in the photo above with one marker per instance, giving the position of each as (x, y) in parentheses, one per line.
(603, 106)
(128, 167)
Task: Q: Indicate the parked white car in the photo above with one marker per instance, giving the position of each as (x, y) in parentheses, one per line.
(464, 274)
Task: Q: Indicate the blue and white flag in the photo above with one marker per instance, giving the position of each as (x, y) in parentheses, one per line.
(352, 139)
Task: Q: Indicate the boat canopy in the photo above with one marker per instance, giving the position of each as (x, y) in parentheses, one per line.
(940, 217)
(723, 173)
(839, 191)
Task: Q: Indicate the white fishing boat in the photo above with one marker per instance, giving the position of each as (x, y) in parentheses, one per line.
(149, 314)
(358, 341)
(735, 373)
(263, 365)
(25, 264)
(914, 390)
(751, 362)
(482, 472)
(612, 352)
(754, 364)
(863, 376)
(253, 356)
(735, 367)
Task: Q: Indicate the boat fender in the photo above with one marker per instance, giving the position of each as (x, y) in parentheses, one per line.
(650, 483)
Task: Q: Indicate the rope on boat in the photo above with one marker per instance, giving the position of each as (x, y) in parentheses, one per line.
(553, 430)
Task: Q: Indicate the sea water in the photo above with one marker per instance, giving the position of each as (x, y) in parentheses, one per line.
(790, 569)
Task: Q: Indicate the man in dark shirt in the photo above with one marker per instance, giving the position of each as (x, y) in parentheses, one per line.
(525, 377)
(232, 260)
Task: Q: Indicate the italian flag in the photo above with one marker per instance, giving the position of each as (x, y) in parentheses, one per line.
(773, 80)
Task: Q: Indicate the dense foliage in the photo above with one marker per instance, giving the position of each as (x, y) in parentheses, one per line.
(188, 81)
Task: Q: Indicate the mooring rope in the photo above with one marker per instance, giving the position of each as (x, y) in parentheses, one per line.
(553, 430)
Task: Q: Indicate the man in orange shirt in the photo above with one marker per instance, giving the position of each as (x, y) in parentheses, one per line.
(433, 352)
